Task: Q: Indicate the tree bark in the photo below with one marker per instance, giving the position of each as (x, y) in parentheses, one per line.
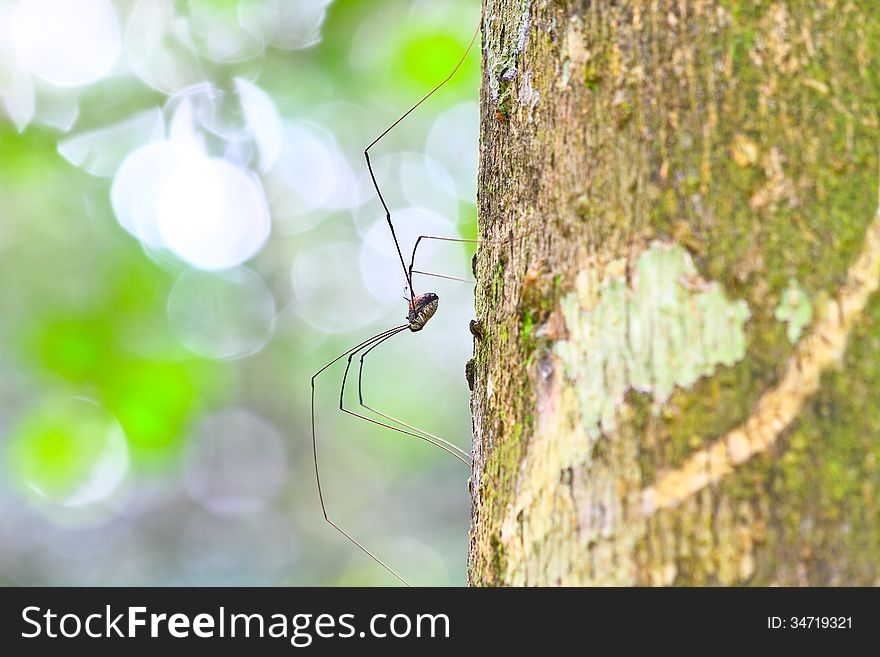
(677, 356)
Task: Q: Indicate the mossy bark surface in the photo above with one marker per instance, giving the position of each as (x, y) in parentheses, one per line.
(677, 374)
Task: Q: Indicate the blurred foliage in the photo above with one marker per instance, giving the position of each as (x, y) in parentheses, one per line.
(86, 347)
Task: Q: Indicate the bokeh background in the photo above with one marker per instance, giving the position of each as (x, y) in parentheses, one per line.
(187, 233)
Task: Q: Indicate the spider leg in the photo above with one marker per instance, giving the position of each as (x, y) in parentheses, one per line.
(339, 529)
(350, 353)
(412, 260)
(381, 337)
(406, 272)
(433, 440)
(455, 450)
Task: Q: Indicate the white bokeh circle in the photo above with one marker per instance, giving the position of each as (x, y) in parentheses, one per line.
(211, 214)
(67, 43)
(136, 188)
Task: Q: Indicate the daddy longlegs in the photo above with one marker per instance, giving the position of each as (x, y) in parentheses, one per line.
(420, 309)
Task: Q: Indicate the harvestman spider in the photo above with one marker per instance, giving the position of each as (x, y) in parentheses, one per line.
(421, 307)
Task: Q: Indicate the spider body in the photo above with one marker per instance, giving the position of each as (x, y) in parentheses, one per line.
(421, 309)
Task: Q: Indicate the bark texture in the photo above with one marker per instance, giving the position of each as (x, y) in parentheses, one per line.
(677, 362)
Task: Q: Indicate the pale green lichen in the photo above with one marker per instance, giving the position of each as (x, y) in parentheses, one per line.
(669, 329)
(795, 309)
(566, 72)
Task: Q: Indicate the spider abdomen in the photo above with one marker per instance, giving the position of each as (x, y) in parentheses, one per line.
(421, 309)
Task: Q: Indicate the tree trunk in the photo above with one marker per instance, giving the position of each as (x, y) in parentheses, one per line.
(677, 359)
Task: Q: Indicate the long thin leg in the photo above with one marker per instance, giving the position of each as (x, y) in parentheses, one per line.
(412, 260)
(442, 444)
(443, 276)
(459, 453)
(466, 456)
(385, 334)
(406, 272)
(354, 349)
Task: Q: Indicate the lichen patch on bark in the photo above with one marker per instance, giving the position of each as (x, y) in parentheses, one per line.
(667, 329)
(795, 309)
